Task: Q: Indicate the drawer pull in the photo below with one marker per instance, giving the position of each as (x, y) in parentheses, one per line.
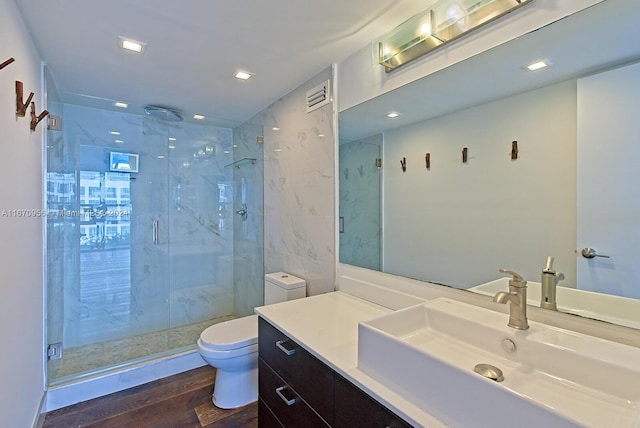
(288, 401)
(281, 344)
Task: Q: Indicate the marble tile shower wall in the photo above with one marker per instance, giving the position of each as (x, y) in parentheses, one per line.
(299, 175)
(183, 278)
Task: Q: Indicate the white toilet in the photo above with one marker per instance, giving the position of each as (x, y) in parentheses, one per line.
(232, 346)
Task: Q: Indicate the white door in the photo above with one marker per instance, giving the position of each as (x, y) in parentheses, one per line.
(609, 182)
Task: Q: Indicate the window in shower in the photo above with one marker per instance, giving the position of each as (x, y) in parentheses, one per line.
(105, 252)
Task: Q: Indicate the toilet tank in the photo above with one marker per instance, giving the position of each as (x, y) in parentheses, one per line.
(280, 287)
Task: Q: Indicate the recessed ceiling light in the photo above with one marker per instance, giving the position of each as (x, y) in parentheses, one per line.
(275, 128)
(171, 146)
(121, 105)
(160, 156)
(132, 45)
(172, 138)
(198, 116)
(393, 114)
(537, 65)
(243, 75)
(118, 141)
(114, 132)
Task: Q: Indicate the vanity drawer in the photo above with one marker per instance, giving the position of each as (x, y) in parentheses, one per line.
(284, 401)
(355, 409)
(307, 375)
(266, 418)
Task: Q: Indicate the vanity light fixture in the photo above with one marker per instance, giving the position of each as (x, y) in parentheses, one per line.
(243, 75)
(393, 114)
(443, 22)
(538, 65)
(132, 45)
(198, 117)
(121, 105)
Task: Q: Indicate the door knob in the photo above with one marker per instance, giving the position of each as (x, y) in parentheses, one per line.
(589, 253)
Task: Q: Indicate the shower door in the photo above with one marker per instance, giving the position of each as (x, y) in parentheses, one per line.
(107, 272)
(361, 203)
(144, 246)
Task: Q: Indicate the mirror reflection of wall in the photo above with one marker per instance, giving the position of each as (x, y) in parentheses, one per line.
(461, 222)
(458, 223)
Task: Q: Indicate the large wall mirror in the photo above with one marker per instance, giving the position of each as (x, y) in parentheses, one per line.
(491, 166)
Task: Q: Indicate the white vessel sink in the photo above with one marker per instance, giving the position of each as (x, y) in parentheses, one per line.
(554, 377)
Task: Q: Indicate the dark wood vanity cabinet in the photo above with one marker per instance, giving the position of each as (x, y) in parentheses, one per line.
(354, 408)
(298, 390)
(296, 386)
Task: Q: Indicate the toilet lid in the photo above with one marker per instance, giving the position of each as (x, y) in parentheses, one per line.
(233, 334)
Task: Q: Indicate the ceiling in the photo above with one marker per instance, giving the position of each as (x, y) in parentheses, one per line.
(194, 47)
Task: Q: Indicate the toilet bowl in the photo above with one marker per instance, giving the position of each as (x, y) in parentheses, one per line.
(232, 346)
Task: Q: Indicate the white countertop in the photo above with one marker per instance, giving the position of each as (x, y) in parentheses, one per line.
(326, 325)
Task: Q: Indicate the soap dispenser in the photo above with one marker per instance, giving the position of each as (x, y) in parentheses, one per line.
(549, 281)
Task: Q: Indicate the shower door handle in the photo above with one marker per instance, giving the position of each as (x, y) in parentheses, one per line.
(155, 232)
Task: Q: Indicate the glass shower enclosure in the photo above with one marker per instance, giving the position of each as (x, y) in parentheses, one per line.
(154, 232)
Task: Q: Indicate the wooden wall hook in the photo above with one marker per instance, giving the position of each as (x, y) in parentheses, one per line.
(427, 160)
(21, 107)
(35, 120)
(7, 62)
(514, 150)
(403, 162)
(465, 155)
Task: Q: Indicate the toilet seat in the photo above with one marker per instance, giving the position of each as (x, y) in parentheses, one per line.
(231, 335)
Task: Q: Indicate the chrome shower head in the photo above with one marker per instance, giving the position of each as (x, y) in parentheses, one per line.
(163, 113)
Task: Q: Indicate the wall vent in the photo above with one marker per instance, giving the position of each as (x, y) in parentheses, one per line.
(318, 96)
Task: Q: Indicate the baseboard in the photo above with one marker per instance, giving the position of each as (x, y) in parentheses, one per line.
(39, 419)
(75, 392)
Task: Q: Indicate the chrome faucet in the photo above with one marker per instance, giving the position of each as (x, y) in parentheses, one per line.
(517, 298)
(550, 279)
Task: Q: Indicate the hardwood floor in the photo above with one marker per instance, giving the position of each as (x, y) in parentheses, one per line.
(179, 401)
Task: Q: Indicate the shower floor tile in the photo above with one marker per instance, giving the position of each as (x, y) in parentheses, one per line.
(90, 358)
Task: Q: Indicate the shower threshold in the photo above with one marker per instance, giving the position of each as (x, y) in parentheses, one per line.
(98, 358)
